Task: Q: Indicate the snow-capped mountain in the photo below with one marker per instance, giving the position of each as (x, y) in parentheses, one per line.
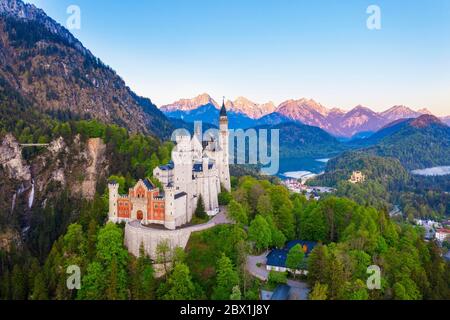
(335, 121)
(190, 104)
(359, 119)
(241, 105)
(249, 108)
(401, 112)
(305, 111)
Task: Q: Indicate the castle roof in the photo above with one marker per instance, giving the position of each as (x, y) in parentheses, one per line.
(167, 167)
(223, 110)
(180, 195)
(149, 184)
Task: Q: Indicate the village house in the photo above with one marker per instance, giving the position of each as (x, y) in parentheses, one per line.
(442, 235)
(276, 259)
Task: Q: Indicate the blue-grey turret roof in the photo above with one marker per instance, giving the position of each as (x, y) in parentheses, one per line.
(223, 110)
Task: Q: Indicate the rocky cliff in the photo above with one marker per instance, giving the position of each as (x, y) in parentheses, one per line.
(30, 185)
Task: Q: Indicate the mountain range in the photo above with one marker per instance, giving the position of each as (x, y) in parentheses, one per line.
(244, 113)
(46, 64)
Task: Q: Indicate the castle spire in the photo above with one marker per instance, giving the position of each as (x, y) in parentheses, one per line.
(223, 111)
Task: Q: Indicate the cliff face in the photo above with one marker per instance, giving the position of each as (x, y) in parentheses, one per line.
(42, 61)
(11, 160)
(30, 185)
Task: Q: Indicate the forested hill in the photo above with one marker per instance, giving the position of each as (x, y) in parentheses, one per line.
(418, 143)
(298, 140)
(43, 62)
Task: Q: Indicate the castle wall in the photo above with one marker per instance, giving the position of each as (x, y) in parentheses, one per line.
(181, 216)
(135, 234)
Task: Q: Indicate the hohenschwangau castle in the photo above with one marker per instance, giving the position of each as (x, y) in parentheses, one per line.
(197, 168)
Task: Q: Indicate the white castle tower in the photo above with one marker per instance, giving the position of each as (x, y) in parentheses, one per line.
(170, 222)
(113, 197)
(223, 161)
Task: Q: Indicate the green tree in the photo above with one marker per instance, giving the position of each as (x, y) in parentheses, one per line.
(200, 210)
(319, 292)
(224, 198)
(106, 277)
(237, 212)
(179, 285)
(18, 284)
(227, 278)
(356, 290)
(163, 255)
(93, 284)
(264, 206)
(285, 221)
(143, 282)
(406, 289)
(39, 289)
(295, 258)
(236, 293)
(260, 233)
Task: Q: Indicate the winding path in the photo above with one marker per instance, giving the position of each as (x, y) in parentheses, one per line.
(220, 218)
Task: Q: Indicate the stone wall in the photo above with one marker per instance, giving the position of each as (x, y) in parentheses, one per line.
(136, 234)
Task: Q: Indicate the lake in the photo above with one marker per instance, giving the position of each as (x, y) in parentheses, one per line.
(435, 171)
(301, 167)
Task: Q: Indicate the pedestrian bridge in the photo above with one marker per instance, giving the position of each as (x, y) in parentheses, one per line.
(29, 145)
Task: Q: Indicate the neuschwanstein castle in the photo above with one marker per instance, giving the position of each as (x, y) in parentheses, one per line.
(197, 168)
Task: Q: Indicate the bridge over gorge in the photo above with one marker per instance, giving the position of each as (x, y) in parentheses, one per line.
(29, 145)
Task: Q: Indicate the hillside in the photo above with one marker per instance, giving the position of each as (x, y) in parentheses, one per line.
(43, 62)
(418, 143)
(297, 141)
(383, 170)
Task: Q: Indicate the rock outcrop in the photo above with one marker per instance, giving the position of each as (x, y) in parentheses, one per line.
(11, 159)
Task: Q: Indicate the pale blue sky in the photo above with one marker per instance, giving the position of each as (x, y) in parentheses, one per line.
(273, 49)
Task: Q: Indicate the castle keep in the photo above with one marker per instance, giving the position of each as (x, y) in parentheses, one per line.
(197, 168)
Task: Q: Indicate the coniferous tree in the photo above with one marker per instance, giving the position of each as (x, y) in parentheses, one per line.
(179, 285)
(319, 292)
(227, 278)
(18, 284)
(200, 210)
(163, 256)
(39, 290)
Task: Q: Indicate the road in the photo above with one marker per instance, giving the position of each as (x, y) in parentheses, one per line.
(220, 218)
